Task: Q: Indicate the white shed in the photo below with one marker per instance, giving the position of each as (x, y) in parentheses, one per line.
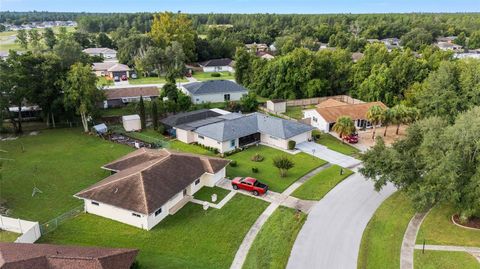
(132, 123)
(278, 106)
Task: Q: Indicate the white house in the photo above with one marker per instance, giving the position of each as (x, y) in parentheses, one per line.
(148, 185)
(217, 65)
(231, 131)
(327, 112)
(448, 46)
(214, 91)
(106, 53)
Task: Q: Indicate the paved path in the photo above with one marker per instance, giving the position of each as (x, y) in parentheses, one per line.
(227, 198)
(276, 200)
(331, 236)
(409, 239)
(328, 155)
(474, 251)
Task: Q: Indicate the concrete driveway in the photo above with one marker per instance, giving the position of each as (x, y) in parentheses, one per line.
(331, 236)
(328, 155)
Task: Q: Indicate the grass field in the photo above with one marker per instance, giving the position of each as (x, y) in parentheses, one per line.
(6, 236)
(119, 111)
(296, 112)
(60, 163)
(382, 239)
(192, 238)
(202, 76)
(438, 229)
(319, 185)
(444, 260)
(205, 194)
(272, 246)
(152, 80)
(268, 173)
(333, 143)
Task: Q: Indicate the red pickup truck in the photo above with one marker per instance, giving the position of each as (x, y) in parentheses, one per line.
(249, 184)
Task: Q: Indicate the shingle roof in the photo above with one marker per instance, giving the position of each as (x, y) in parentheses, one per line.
(214, 86)
(148, 178)
(188, 117)
(45, 256)
(118, 68)
(99, 50)
(331, 102)
(253, 123)
(119, 93)
(354, 111)
(216, 62)
(102, 66)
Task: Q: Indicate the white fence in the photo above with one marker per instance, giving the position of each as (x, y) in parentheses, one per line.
(29, 230)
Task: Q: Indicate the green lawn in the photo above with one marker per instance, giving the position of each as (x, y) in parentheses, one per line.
(205, 194)
(103, 81)
(6, 236)
(296, 112)
(335, 144)
(152, 80)
(272, 246)
(192, 238)
(444, 260)
(268, 173)
(319, 185)
(382, 239)
(201, 76)
(438, 229)
(119, 111)
(60, 163)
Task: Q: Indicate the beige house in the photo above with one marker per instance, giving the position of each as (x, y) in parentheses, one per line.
(111, 69)
(148, 185)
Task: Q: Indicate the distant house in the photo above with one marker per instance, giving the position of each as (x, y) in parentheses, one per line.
(254, 47)
(448, 46)
(214, 91)
(217, 65)
(46, 256)
(447, 39)
(106, 53)
(148, 185)
(231, 131)
(119, 97)
(265, 55)
(111, 69)
(327, 112)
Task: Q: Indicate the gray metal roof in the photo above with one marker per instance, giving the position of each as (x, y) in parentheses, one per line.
(214, 86)
(253, 123)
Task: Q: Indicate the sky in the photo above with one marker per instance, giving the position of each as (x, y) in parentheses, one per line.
(245, 6)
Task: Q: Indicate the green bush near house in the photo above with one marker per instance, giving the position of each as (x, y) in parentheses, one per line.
(291, 144)
(272, 246)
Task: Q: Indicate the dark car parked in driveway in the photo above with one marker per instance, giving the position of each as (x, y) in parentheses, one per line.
(249, 184)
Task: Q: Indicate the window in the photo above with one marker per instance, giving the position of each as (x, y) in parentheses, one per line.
(273, 137)
(201, 137)
(232, 143)
(158, 211)
(95, 203)
(198, 99)
(315, 119)
(226, 97)
(136, 215)
(197, 181)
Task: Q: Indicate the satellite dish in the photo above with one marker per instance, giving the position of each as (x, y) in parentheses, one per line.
(214, 197)
(205, 206)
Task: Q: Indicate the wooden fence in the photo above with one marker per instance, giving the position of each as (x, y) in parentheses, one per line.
(315, 101)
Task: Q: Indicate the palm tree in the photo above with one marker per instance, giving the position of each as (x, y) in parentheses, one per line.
(374, 116)
(344, 126)
(400, 113)
(387, 118)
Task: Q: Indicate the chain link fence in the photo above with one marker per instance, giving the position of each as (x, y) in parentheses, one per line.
(52, 224)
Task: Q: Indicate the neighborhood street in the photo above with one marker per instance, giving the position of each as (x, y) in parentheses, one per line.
(331, 236)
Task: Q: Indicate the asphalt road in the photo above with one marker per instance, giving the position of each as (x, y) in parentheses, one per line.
(331, 236)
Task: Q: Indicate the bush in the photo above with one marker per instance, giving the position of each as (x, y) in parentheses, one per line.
(161, 129)
(283, 163)
(215, 75)
(233, 163)
(257, 158)
(255, 170)
(291, 144)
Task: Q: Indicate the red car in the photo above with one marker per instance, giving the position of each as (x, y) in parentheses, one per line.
(124, 77)
(249, 184)
(352, 139)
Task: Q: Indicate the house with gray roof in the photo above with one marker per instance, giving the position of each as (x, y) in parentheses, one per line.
(106, 53)
(234, 130)
(217, 65)
(214, 91)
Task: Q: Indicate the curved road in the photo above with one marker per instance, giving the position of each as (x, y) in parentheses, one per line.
(331, 236)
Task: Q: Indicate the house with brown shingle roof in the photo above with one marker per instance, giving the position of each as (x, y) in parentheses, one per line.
(46, 256)
(147, 185)
(119, 97)
(327, 112)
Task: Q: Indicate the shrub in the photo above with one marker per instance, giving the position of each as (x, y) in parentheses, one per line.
(283, 163)
(257, 158)
(215, 74)
(233, 163)
(255, 170)
(161, 129)
(291, 144)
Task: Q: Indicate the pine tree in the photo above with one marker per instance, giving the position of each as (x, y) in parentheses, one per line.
(155, 115)
(141, 111)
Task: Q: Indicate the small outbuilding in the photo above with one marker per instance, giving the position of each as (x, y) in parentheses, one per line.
(277, 105)
(132, 123)
(100, 128)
